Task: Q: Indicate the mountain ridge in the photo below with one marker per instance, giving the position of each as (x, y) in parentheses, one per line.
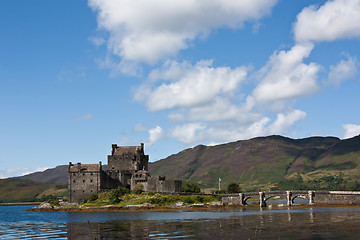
(260, 162)
(263, 161)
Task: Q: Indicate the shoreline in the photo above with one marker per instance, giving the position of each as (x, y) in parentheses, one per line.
(20, 204)
(173, 207)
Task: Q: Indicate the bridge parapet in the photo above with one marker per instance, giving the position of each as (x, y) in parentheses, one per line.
(314, 197)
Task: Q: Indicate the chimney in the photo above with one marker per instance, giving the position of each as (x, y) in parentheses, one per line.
(114, 146)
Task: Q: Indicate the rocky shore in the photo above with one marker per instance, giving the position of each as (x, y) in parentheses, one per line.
(47, 207)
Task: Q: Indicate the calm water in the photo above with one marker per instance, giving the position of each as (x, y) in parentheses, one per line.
(248, 223)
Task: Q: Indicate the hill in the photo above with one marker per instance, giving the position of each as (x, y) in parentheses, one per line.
(267, 163)
(56, 175)
(259, 163)
(12, 190)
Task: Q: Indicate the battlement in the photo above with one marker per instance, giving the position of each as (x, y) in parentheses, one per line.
(78, 167)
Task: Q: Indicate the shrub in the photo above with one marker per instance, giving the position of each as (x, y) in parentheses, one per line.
(116, 194)
(92, 198)
(54, 202)
(190, 188)
(233, 188)
(222, 191)
(46, 198)
(138, 189)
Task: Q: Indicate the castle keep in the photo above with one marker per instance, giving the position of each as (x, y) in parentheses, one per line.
(127, 166)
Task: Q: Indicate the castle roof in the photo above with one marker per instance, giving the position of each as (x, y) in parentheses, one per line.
(85, 168)
(125, 150)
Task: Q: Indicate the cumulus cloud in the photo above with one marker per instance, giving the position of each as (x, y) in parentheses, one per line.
(185, 85)
(337, 19)
(351, 130)
(285, 76)
(188, 133)
(284, 122)
(151, 30)
(345, 69)
(219, 109)
(155, 134)
(209, 132)
(205, 102)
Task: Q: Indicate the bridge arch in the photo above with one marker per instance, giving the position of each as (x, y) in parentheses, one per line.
(274, 196)
(302, 196)
(245, 199)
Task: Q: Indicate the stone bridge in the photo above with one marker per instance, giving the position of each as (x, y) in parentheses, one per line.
(313, 197)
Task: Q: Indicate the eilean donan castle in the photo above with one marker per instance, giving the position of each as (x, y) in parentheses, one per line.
(127, 166)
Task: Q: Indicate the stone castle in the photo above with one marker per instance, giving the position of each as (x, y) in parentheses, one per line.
(127, 167)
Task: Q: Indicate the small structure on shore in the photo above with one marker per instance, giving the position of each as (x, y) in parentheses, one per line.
(127, 167)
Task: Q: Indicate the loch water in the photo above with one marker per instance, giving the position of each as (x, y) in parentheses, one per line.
(273, 222)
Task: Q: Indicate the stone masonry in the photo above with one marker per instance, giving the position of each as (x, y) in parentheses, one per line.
(127, 167)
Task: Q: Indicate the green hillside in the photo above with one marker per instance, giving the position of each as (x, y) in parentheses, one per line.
(268, 163)
(56, 175)
(12, 190)
(262, 163)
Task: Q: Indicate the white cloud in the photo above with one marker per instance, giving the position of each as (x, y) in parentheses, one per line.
(187, 133)
(338, 19)
(155, 134)
(285, 76)
(189, 86)
(345, 69)
(16, 172)
(225, 131)
(151, 30)
(219, 109)
(351, 130)
(284, 122)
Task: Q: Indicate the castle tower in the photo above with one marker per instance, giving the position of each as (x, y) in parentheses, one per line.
(130, 158)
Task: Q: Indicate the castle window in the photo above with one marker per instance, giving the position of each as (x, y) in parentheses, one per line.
(83, 174)
(91, 191)
(83, 180)
(74, 190)
(91, 180)
(83, 190)
(73, 180)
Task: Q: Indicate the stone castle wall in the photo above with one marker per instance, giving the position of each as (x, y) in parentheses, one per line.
(127, 166)
(82, 185)
(160, 185)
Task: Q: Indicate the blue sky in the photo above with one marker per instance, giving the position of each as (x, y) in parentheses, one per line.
(78, 76)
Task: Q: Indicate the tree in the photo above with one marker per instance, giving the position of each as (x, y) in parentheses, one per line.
(233, 188)
(114, 195)
(190, 188)
(138, 189)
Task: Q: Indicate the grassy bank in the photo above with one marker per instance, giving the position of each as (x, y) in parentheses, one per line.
(119, 197)
(20, 204)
